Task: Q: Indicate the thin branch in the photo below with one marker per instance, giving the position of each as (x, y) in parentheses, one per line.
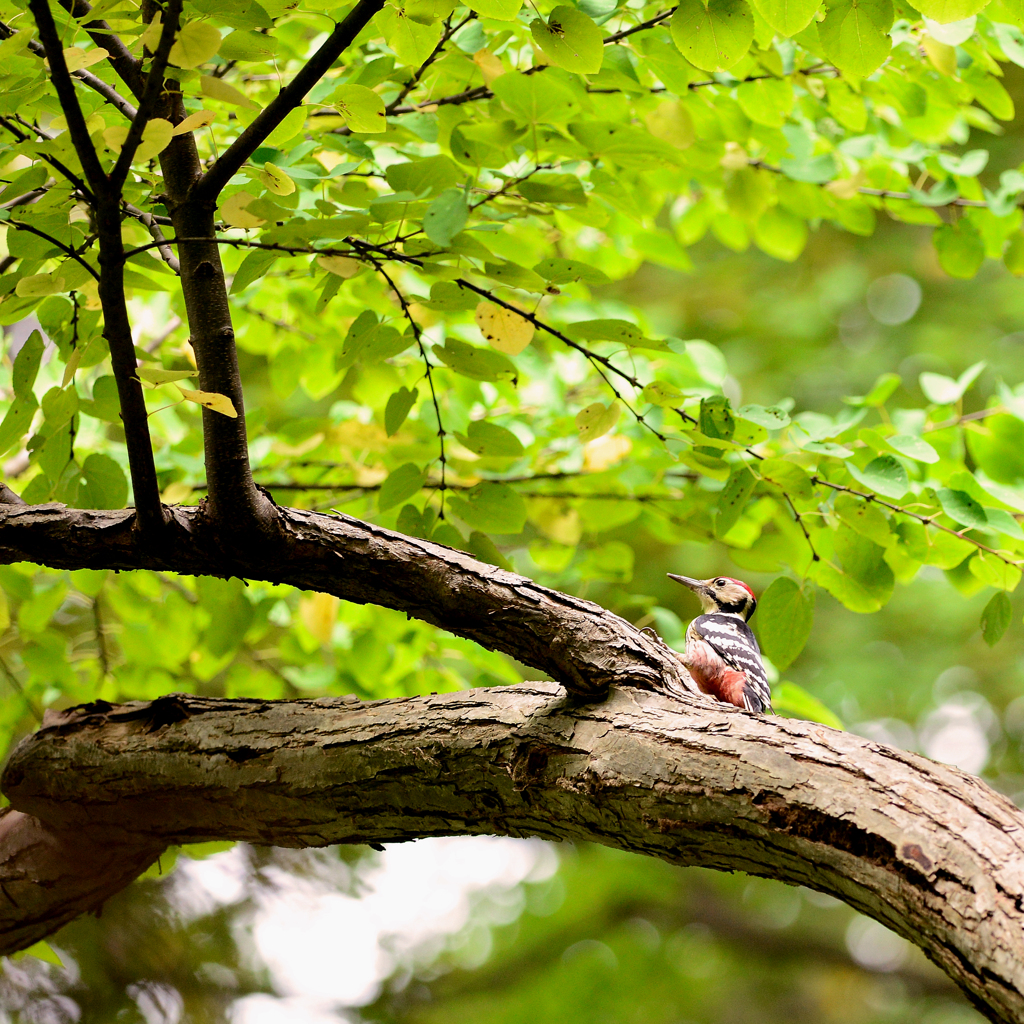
(437, 51)
(65, 89)
(803, 526)
(160, 242)
(417, 333)
(650, 23)
(154, 86)
(210, 184)
(67, 250)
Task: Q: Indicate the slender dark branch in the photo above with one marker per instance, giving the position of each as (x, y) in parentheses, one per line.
(209, 186)
(154, 86)
(417, 334)
(160, 243)
(437, 51)
(66, 249)
(65, 89)
(803, 526)
(650, 23)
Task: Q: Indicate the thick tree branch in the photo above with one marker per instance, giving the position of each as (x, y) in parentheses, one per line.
(154, 86)
(575, 641)
(209, 186)
(927, 850)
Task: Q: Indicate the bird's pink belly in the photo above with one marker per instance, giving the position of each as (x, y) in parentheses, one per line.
(712, 674)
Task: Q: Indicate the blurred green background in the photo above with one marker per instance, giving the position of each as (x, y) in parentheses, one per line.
(520, 933)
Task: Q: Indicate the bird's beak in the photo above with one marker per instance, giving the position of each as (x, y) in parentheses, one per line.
(695, 585)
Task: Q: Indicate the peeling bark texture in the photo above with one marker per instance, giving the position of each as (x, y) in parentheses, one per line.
(927, 850)
(577, 642)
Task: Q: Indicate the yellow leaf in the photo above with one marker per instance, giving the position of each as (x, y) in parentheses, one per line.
(200, 119)
(942, 56)
(318, 614)
(72, 366)
(507, 331)
(489, 65)
(157, 377)
(596, 420)
(155, 137)
(340, 265)
(604, 452)
(36, 285)
(76, 58)
(197, 43)
(216, 89)
(177, 492)
(277, 181)
(233, 210)
(210, 400)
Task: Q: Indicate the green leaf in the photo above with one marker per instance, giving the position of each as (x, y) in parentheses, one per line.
(401, 484)
(862, 560)
(612, 561)
(17, 420)
(446, 217)
(26, 365)
(994, 572)
(794, 701)
(252, 268)
(865, 517)
(946, 391)
(485, 549)
(411, 41)
(995, 617)
(945, 11)
(361, 108)
(490, 440)
(571, 40)
(771, 418)
(243, 45)
(854, 34)
(716, 418)
(597, 419)
(733, 499)
(713, 36)
(41, 951)
(881, 391)
(500, 10)
(562, 271)
(787, 16)
(785, 614)
(104, 484)
(535, 99)
(432, 175)
(781, 234)
(913, 448)
(490, 508)
(787, 476)
(963, 509)
(960, 247)
(397, 409)
(230, 612)
(475, 363)
(607, 330)
(884, 474)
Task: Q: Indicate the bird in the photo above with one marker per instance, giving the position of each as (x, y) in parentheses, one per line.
(721, 650)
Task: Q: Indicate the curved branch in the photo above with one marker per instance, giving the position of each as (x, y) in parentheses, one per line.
(924, 848)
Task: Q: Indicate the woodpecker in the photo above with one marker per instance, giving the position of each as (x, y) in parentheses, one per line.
(721, 651)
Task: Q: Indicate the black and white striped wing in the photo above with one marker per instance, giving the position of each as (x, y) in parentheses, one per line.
(736, 644)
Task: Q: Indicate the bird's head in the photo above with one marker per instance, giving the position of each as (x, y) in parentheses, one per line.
(721, 594)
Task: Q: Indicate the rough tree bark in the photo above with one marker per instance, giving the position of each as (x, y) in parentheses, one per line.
(927, 850)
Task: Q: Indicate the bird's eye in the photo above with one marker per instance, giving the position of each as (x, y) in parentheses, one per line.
(720, 583)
